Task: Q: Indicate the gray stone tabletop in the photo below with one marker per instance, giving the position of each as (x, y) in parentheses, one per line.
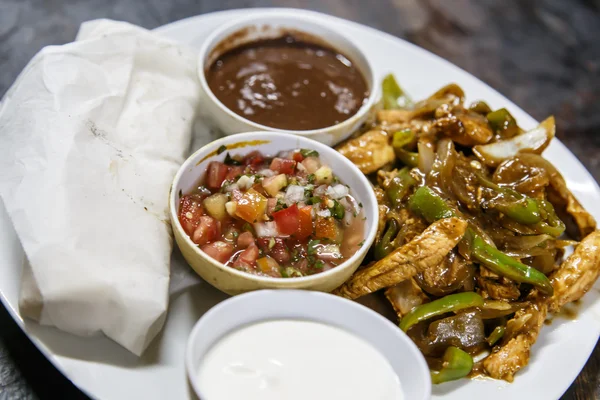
(542, 54)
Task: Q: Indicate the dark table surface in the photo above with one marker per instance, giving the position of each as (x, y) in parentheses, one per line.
(544, 55)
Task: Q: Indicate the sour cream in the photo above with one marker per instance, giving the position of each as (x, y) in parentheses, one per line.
(296, 360)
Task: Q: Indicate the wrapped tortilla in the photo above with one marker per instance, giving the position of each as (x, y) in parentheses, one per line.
(91, 135)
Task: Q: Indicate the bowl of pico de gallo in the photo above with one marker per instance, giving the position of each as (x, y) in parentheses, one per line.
(269, 210)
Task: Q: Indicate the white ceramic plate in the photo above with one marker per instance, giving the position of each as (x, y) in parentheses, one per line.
(104, 370)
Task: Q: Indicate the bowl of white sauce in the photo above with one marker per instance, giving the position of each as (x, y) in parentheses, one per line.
(297, 345)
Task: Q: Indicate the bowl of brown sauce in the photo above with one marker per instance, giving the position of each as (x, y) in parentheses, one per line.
(287, 73)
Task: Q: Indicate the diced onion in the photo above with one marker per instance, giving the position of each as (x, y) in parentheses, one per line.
(231, 188)
(300, 167)
(245, 182)
(324, 213)
(337, 191)
(231, 206)
(294, 194)
(266, 229)
(267, 172)
(320, 190)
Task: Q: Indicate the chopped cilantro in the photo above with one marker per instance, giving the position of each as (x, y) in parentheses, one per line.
(248, 228)
(295, 255)
(292, 272)
(180, 193)
(279, 206)
(336, 179)
(231, 161)
(318, 264)
(360, 205)
(361, 244)
(313, 200)
(271, 243)
(311, 178)
(221, 149)
(312, 246)
(309, 153)
(337, 210)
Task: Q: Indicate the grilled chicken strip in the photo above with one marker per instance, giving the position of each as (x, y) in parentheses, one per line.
(370, 151)
(464, 126)
(496, 287)
(427, 249)
(577, 273)
(521, 333)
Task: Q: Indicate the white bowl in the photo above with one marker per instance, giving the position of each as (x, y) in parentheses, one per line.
(404, 356)
(272, 26)
(232, 281)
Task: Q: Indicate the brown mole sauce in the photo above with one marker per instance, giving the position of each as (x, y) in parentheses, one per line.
(288, 83)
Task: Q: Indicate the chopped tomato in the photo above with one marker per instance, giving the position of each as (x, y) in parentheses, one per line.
(276, 248)
(190, 211)
(244, 240)
(254, 158)
(233, 172)
(215, 174)
(251, 206)
(283, 166)
(206, 231)
(268, 266)
(247, 258)
(287, 220)
(326, 228)
(305, 223)
(297, 156)
(220, 251)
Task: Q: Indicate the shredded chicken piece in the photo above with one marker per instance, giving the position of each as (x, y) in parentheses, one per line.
(379, 195)
(584, 220)
(369, 151)
(424, 251)
(383, 212)
(464, 127)
(521, 333)
(394, 116)
(577, 273)
(498, 290)
(405, 296)
(495, 287)
(412, 226)
(384, 178)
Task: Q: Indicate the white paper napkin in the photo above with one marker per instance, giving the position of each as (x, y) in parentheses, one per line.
(91, 135)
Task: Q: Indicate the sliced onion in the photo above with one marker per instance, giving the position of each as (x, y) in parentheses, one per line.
(533, 141)
(524, 242)
(426, 157)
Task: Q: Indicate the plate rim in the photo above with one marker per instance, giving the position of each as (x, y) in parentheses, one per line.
(166, 29)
